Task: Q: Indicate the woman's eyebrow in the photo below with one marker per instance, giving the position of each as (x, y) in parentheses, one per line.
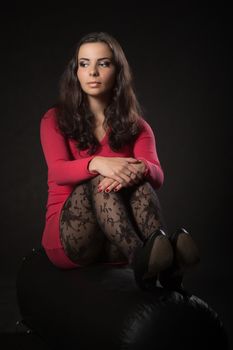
(99, 59)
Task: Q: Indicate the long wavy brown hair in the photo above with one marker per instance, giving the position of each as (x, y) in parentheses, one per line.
(122, 114)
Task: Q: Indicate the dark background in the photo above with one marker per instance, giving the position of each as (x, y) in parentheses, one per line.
(181, 60)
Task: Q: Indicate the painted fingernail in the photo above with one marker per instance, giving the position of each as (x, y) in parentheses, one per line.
(107, 190)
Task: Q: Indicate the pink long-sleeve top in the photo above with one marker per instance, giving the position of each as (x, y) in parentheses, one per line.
(67, 166)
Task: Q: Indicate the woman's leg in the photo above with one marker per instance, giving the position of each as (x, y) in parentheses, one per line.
(83, 240)
(80, 233)
(114, 220)
(145, 209)
(113, 216)
(147, 213)
(91, 222)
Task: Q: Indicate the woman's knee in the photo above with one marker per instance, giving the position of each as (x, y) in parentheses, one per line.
(141, 189)
(146, 186)
(96, 180)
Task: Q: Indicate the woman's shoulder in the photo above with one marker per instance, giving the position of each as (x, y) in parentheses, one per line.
(48, 120)
(49, 113)
(145, 125)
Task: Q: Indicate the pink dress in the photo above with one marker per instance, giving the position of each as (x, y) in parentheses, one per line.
(67, 166)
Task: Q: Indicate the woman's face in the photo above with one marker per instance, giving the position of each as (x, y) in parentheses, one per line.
(96, 71)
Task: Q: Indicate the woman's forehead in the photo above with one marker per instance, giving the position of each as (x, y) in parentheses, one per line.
(94, 50)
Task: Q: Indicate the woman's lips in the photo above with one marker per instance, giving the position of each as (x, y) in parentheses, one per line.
(93, 82)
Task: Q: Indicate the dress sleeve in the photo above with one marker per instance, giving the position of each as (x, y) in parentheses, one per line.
(62, 169)
(145, 150)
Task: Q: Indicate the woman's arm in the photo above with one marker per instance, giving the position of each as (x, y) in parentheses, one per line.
(61, 167)
(145, 149)
(115, 168)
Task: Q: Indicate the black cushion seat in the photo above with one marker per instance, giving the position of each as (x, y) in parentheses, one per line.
(100, 306)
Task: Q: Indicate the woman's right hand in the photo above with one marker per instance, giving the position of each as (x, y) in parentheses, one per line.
(116, 168)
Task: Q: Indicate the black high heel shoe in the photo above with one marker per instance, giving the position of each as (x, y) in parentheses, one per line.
(164, 258)
(186, 255)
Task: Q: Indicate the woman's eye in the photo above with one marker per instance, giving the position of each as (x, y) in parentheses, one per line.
(105, 64)
(102, 64)
(83, 64)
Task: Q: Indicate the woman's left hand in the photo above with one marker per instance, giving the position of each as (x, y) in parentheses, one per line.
(108, 184)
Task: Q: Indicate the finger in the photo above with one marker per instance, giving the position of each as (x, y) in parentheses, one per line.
(112, 186)
(126, 178)
(132, 169)
(117, 188)
(117, 177)
(134, 182)
(121, 176)
(131, 160)
(133, 177)
(105, 183)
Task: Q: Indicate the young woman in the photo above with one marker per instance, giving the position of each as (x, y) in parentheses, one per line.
(103, 173)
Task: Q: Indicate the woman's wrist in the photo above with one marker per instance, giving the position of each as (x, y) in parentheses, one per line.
(93, 165)
(145, 168)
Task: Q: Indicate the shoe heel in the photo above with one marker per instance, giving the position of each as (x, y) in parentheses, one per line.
(164, 257)
(186, 255)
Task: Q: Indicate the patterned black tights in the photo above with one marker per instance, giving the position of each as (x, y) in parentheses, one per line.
(108, 226)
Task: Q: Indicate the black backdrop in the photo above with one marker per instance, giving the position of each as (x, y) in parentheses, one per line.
(180, 57)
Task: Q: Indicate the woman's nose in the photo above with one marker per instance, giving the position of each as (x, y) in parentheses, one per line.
(93, 71)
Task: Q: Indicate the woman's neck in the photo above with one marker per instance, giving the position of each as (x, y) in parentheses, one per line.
(97, 107)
